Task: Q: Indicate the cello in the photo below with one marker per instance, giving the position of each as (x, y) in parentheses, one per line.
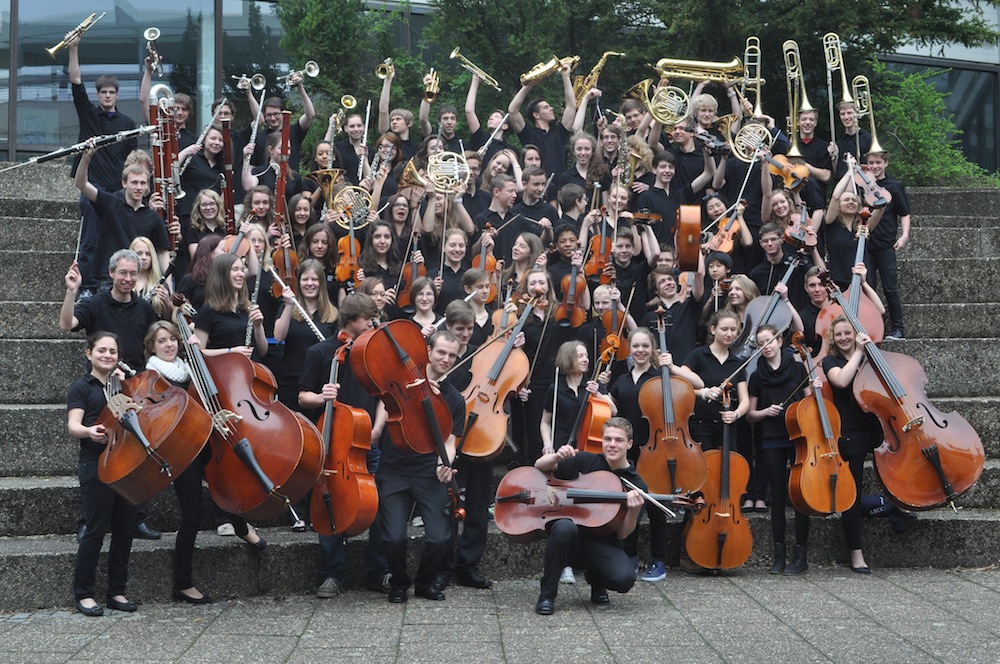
(264, 456)
(687, 237)
(720, 538)
(764, 309)
(345, 498)
(670, 460)
(928, 458)
(820, 482)
(390, 361)
(155, 430)
(527, 500)
(588, 429)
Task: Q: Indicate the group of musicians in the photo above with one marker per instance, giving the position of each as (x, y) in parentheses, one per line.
(589, 199)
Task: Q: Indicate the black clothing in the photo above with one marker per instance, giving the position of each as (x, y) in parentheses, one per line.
(625, 392)
(298, 341)
(814, 151)
(107, 163)
(503, 242)
(129, 320)
(681, 323)
(195, 293)
(666, 204)
(568, 408)
(860, 432)
(349, 160)
(851, 144)
(809, 314)
(767, 275)
(881, 258)
(477, 202)
(537, 211)
(551, 144)
(199, 175)
(777, 386)
(842, 248)
(119, 224)
(226, 329)
(479, 138)
(704, 363)
(87, 394)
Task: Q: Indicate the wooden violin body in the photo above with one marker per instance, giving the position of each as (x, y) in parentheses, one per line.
(175, 427)
(794, 176)
(725, 239)
(570, 312)
(670, 460)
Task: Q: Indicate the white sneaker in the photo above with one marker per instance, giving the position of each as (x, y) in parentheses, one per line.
(418, 521)
(567, 576)
(225, 530)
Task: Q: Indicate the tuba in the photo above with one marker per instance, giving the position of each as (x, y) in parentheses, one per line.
(699, 70)
(474, 69)
(863, 98)
(353, 204)
(668, 104)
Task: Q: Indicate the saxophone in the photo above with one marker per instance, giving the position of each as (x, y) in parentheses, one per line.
(581, 84)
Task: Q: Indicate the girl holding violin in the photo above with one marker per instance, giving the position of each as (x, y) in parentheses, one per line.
(208, 217)
(102, 508)
(163, 340)
(527, 253)
(424, 298)
(729, 232)
(319, 244)
(605, 298)
(775, 384)
(448, 280)
(259, 200)
(860, 432)
(843, 219)
(569, 393)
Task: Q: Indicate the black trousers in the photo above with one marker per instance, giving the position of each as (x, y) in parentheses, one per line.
(851, 519)
(466, 549)
(775, 466)
(397, 493)
(607, 564)
(103, 510)
(882, 263)
(187, 486)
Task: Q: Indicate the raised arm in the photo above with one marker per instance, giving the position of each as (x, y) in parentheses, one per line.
(471, 118)
(308, 110)
(383, 101)
(569, 113)
(514, 108)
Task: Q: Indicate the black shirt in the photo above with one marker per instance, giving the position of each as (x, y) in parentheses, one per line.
(884, 234)
(551, 143)
(665, 204)
(87, 394)
(316, 373)
(394, 459)
(225, 329)
(767, 275)
(129, 320)
(681, 323)
(119, 224)
(199, 175)
(106, 165)
(704, 363)
(775, 386)
(568, 408)
(861, 431)
(625, 392)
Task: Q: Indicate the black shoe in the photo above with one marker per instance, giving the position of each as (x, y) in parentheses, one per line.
(126, 606)
(442, 580)
(799, 564)
(89, 611)
(864, 569)
(895, 335)
(179, 595)
(599, 596)
(397, 595)
(142, 531)
(779, 559)
(545, 607)
(430, 592)
(473, 578)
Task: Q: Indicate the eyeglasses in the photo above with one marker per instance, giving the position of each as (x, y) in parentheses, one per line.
(208, 204)
(401, 205)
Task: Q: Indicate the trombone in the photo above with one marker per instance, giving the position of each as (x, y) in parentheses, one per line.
(311, 70)
(85, 24)
(798, 102)
(151, 35)
(751, 72)
(834, 55)
(863, 98)
(478, 71)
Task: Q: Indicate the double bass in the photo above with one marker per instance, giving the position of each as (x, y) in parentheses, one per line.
(928, 458)
(670, 460)
(345, 498)
(820, 482)
(720, 537)
(155, 430)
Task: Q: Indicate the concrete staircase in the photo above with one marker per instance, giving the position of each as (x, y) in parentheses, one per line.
(950, 277)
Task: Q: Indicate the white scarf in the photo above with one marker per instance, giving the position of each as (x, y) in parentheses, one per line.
(176, 371)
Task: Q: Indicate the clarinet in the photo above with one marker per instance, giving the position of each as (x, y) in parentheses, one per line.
(253, 299)
(159, 282)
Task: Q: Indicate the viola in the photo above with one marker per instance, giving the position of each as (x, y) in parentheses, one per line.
(724, 239)
(155, 430)
(390, 362)
(527, 500)
(614, 321)
(858, 301)
(670, 460)
(928, 458)
(237, 242)
(766, 309)
(687, 237)
(873, 195)
(348, 251)
(285, 259)
(570, 312)
(588, 429)
(487, 262)
(599, 254)
(265, 457)
(793, 175)
(499, 372)
(345, 498)
(410, 273)
(720, 537)
(820, 482)
(797, 232)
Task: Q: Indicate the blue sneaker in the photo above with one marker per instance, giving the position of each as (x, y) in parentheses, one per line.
(655, 571)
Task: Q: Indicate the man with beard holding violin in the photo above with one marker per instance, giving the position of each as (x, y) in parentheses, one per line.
(608, 566)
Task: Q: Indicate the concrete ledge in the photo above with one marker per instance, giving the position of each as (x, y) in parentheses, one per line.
(35, 275)
(932, 280)
(40, 234)
(946, 201)
(39, 371)
(952, 242)
(947, 320)
(35, 441)
(31, 320)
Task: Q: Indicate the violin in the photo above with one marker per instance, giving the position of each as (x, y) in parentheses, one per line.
(499, 372)
(487, 262)
(687, 237)
(721, 290)
(285, 260)
(670, 460)
(345, 498)
(928, 458)
(527, 500)
(390, 362)
(155, 430)
(645, 217)
(571, 312)
(820, 482)
(599, 253)
(410, 273)
(794, 176)
(348, 251)
(265, 457)
(237, 242)
(873, 195)
(797, 232)
(614, 321)
(767, 309)
(860, 304)
(724, 239)
(588, 429)
(720, 538)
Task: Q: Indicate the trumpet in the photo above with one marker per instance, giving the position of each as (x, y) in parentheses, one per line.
(385, 69)
(151, 35)
(472, 68)
(543, 70)
(311, 70)
(433, 86)
(863, 98)
(347, 102)
(85, 24)
(257, 82)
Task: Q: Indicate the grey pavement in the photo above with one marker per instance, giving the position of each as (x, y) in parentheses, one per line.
(828, 615)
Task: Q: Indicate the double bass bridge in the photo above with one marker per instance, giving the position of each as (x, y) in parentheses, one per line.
(222, 419)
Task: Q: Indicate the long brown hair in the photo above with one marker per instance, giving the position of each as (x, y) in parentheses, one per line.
(219, 292)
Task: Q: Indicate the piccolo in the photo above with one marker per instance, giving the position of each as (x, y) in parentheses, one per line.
(99, 142)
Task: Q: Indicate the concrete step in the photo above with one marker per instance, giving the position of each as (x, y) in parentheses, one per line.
(36, 371)
(921, 220)
(31, 320)
(961, 242)
(954, 367)
(34, 276)
(932, 280)
(39, 234)
(226, 568)
(945, 201)
(946, 320)
(48, 182)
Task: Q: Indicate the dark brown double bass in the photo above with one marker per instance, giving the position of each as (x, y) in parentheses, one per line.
(928, 458)
(670, 460)
(820, 482)
(345, 498)
(155, 430)
(265, 457)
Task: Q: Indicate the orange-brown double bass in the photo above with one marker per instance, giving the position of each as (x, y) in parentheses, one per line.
(670, 460)
(820, 481)
(345, 498)
(928, 458)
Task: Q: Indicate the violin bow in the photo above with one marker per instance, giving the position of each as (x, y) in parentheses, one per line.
(302, 311)
(753, 356)
(663, 508)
